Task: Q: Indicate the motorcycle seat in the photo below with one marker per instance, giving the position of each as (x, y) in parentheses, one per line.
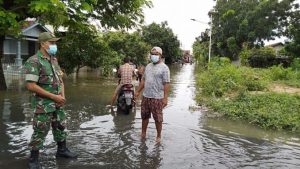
(127, 86)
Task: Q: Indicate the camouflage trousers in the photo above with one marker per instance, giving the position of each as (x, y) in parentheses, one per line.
(41, 126)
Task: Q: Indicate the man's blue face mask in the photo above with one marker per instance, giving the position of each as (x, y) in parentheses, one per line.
(52, 50)
(154, 58)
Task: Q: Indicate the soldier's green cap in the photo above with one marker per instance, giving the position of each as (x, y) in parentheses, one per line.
(47, 36)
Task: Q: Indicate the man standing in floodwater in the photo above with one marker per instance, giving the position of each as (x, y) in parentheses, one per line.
(156, 84)
(44, 79)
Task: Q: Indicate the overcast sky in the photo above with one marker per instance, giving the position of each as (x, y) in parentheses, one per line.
(178, 14)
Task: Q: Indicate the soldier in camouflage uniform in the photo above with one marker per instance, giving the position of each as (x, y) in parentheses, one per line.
(44, 78)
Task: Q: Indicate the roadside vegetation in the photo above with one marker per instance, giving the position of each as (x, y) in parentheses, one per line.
(248, 80)
(244, 93)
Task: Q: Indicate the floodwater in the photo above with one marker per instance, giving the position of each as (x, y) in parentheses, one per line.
(104, 139)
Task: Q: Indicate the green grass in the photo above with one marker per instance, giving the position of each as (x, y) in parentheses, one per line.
(269, 110)
(226, 89)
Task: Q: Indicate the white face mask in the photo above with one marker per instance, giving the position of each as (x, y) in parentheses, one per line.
(154, 58)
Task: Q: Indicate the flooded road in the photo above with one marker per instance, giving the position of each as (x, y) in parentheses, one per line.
(107, 140)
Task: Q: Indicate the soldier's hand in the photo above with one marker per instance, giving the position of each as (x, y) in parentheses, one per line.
(59, 100)
(60, 104)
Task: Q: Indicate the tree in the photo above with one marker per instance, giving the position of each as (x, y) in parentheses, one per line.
(161, 35)
(82, 47)
(247, 21)
(201, 47)
(293, 32)
(128, 45)
(137, 49)
(68, 13)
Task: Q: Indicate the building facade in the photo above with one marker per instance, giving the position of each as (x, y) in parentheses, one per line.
(17, 50)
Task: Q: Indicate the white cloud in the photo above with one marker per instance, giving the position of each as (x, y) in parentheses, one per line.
(178, 14)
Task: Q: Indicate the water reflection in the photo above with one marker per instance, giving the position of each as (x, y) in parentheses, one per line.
(148, 158)
(6, 110)
(245, 146)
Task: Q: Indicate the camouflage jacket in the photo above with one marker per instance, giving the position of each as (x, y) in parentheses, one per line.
(48, 75)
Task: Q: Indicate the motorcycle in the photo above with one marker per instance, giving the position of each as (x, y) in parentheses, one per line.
(125, 101)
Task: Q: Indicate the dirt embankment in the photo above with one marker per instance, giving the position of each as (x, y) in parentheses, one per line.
(280, 88)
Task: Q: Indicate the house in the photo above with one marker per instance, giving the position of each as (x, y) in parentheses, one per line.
(280, 59)
(277, 47)
(17, 50)
(186, 56)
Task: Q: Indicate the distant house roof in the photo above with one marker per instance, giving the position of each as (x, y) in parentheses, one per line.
(275, 44)
(31, 25)
(31, 31)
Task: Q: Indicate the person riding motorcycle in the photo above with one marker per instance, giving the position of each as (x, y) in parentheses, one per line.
(125, 72)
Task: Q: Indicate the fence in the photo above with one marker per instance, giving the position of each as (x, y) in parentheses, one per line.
(14, 76)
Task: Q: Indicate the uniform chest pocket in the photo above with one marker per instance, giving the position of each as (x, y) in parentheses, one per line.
(46, 79)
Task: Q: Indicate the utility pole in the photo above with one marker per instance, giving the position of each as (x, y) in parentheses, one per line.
(209, 47)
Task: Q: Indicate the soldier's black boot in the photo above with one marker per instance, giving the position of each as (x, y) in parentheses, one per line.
(63, 151)
(34, 162)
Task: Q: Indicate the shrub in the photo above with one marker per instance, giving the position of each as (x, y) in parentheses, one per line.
(296, 64)
(269, 111)
(252, 80)
(262, 58)
(223, 77)
(244, 56)
(277, 73)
